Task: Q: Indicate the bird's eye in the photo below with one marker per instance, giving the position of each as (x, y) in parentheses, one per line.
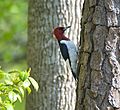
(61, 28)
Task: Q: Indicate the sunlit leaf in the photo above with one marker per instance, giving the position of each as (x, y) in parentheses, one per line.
(0, 100)
(15, 77)
(21, 91)
(8, 82)
(19, 97)
(28, 90)
(12, 96)
(29, 70)
(26, 83)
(9, 106)
(34, 83)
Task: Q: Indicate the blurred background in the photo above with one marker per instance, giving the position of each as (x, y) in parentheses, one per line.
(13, 36)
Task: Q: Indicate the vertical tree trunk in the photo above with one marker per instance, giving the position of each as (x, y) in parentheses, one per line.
(57, 86)
(99, 60)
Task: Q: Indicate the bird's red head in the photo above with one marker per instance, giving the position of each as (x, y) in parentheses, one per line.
(59, 33)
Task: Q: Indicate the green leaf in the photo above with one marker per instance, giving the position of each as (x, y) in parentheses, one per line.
(29, 90)
(21, 91)
(12, 96)
(2, 75)
(8, 82)
(19, 97)
(0, 100)
(15, 77)
(29, 71)
(23, 75)
(2, 108)
(9, 106)
(34, 83)
(16, 90)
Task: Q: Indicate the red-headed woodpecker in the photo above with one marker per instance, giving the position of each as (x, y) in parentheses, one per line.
(67, 48)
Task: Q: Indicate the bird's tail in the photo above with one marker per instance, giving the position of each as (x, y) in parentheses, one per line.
(73, 72)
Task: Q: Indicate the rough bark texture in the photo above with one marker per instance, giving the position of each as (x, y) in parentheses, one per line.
(57, 85)
(99, 60)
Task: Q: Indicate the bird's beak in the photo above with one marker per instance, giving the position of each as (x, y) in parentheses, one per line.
(66, 28)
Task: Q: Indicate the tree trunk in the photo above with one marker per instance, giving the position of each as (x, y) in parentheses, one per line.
(99, 60)
(57, 85)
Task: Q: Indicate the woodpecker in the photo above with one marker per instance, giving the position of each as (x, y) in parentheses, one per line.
(67, 48)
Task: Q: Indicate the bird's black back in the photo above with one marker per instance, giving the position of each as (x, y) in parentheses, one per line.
(64, 51)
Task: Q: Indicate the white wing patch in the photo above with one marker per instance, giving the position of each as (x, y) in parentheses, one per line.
(72, 50)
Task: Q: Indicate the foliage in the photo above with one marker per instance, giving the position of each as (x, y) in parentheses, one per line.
(12, 87)
(13, 33)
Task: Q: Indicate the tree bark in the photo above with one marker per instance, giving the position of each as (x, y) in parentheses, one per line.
(99, 60)
(57, 85)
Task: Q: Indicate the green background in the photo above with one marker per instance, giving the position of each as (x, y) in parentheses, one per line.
(13, 36)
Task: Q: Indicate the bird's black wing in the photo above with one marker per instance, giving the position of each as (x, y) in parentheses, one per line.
(64, 51)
